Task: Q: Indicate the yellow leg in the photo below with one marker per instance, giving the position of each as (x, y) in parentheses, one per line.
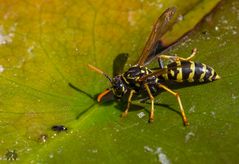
(177, 58)
(151, 117)
(185, 120)
(125, 113)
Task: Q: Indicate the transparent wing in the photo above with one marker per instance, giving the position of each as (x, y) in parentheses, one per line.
(158, 72)
(159, 29)
(155, 73)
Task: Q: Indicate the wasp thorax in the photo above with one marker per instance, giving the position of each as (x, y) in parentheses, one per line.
(118, 86)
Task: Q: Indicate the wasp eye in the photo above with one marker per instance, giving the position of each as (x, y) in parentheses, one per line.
(118, 86)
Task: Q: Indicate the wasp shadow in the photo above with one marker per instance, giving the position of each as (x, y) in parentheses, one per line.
(86, 94)
(176, 85)
(135, 107)
(119, 63)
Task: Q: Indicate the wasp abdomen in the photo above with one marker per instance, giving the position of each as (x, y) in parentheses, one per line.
(189, 71)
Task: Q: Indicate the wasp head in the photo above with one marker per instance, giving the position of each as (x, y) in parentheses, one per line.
(118, 86)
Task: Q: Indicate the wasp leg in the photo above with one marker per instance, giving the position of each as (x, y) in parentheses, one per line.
(125, 113)
(194, 51)
(151, 117)
(177, 58)
(160, 62)
(185, 120)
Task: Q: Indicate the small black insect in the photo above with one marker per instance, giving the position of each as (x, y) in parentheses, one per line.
(140, 79)
(59, 128)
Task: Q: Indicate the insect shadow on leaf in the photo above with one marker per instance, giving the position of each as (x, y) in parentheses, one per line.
(119, 63)
(88, 95)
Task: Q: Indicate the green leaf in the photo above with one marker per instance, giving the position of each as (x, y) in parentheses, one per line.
(45, 48)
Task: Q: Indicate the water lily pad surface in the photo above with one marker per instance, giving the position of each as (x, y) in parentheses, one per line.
(45, 47)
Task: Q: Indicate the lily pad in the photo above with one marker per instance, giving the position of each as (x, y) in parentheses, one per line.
(45, 48)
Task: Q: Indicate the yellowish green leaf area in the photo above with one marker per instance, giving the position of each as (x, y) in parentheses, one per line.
(46, 45)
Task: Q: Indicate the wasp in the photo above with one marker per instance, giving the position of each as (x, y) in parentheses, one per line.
(140, 79)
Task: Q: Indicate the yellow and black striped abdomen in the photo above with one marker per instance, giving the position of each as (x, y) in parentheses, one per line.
(189, 71)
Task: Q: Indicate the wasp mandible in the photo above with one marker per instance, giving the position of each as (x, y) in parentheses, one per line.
(139, 79)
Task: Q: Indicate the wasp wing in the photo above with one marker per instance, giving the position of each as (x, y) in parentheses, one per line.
(153, 44)
(155, 73)
(158, 72)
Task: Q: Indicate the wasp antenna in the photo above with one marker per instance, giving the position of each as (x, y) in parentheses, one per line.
(99, 71)
(95, 69)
